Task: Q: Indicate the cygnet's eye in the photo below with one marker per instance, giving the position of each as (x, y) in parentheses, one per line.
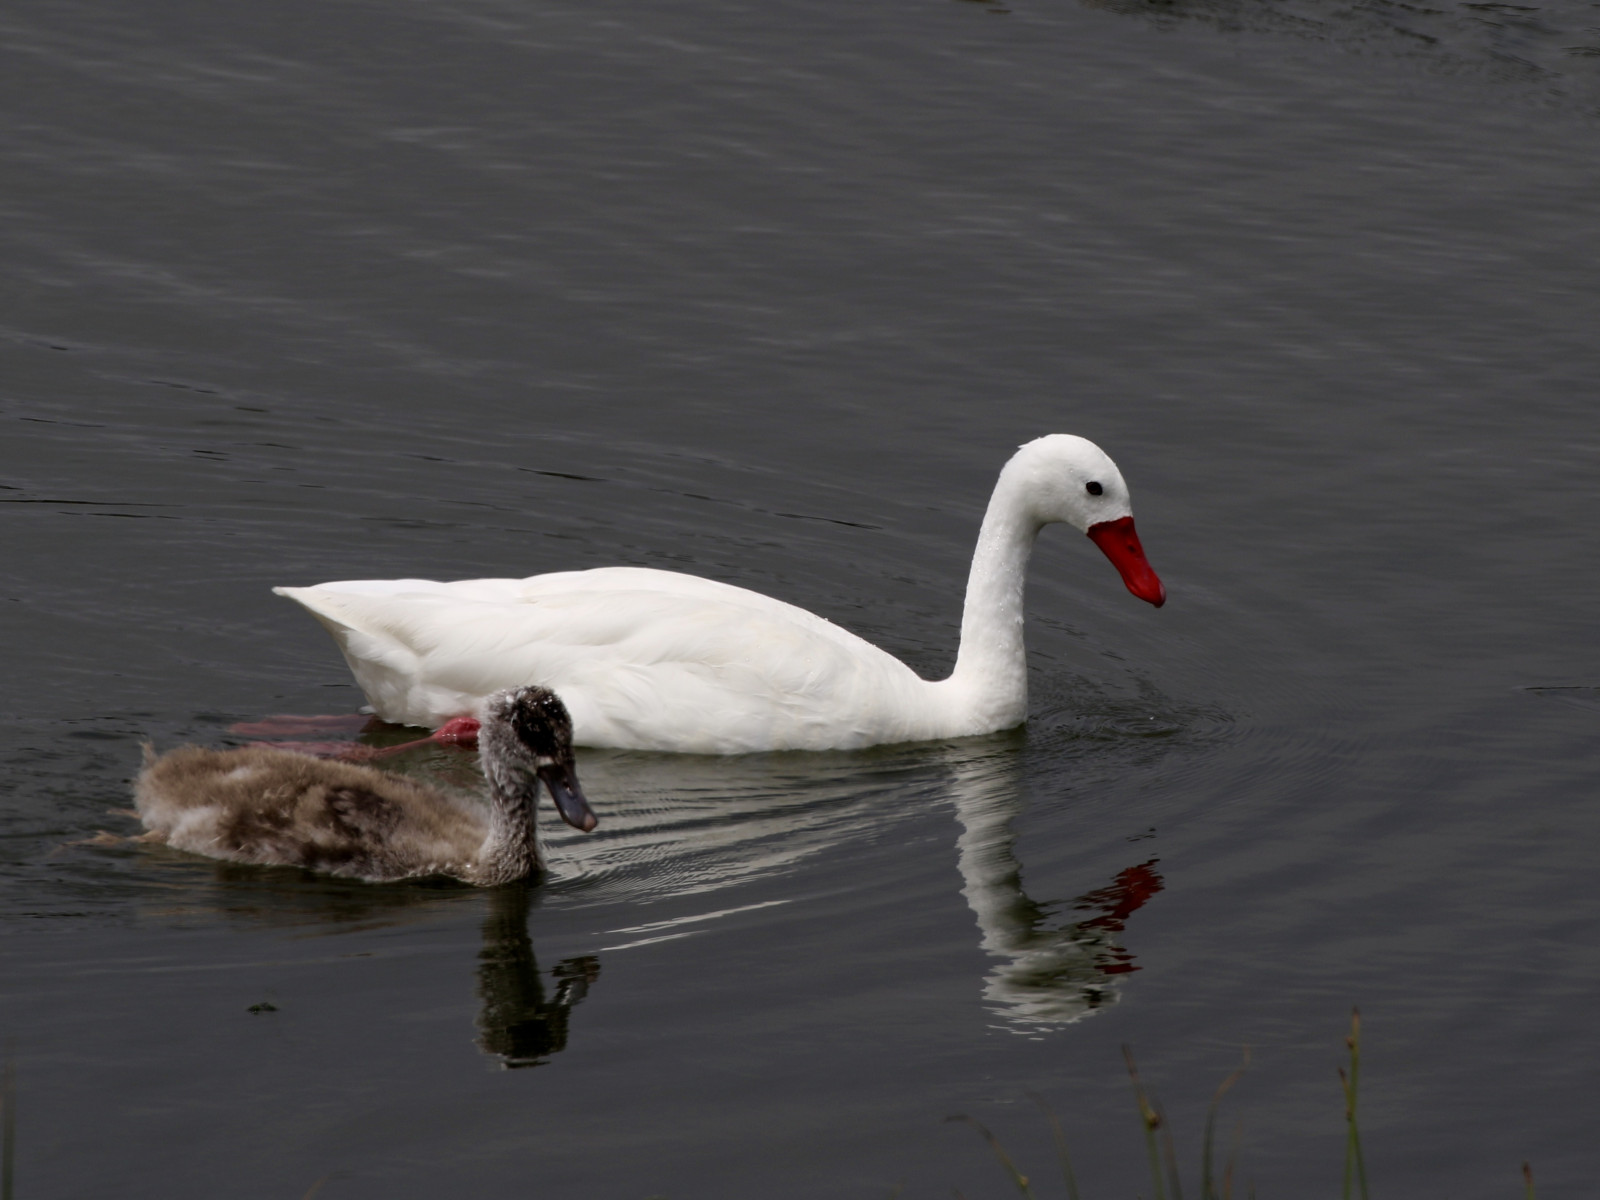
(1094, 488)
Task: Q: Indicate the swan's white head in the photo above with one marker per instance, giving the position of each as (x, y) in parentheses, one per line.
(1069, 479)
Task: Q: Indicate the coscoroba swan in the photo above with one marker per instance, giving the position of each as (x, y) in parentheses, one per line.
(277, 808)
(656, 660)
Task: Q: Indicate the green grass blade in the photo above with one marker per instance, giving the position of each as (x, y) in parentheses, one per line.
(1171, 1151)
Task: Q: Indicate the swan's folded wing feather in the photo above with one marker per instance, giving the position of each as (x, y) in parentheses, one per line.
(637, 666)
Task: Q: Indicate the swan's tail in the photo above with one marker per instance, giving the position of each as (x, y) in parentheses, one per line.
(374, 648)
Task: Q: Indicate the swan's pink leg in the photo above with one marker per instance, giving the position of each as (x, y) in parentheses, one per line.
(287, 726)
(458, 731)
(354, 751)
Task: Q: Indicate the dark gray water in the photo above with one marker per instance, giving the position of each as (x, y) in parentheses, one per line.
(768, 293)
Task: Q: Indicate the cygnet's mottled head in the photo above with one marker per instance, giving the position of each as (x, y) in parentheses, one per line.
(527, 734)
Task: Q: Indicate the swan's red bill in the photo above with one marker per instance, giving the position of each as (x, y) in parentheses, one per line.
(1119, 542)
(562, 781)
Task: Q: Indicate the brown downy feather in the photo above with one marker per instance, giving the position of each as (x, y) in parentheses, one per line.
(274, 807)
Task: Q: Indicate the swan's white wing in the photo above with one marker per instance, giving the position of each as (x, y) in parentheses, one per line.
(643, 659)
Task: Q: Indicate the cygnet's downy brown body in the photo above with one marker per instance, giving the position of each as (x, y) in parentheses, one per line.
(278, 808)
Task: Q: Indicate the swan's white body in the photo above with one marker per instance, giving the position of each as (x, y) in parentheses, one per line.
(657, 660)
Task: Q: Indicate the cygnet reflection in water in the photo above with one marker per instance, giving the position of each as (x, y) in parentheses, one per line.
(524, 1014)
(1045, 975)
(519, 1022)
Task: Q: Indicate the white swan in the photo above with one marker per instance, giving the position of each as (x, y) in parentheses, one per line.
(656, 660)
(277, 808)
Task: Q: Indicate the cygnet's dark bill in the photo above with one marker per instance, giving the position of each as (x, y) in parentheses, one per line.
(562, 781)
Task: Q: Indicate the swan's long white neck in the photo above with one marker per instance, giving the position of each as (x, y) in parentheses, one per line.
(990, 680)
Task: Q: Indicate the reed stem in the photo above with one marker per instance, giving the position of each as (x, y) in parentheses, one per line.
(1208, 1187)
(1154, 1122)
(1061, 1147)
(1355, 1169)
(1017, 1177)
(1233, 1161)
(8, 1127)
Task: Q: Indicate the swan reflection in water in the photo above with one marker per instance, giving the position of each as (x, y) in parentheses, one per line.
(1045, 974)
(692, 825)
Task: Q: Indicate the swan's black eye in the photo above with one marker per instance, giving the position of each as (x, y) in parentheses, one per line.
(1094, 488)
